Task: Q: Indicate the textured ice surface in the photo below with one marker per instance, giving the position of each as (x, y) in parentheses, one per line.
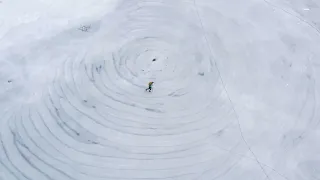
(235, 96)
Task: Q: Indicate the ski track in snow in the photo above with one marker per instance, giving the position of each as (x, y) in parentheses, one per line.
(235, 95)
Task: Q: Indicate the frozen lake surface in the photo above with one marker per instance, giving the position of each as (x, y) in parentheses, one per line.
(236, 93)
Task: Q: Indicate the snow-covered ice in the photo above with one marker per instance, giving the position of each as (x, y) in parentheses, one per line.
(235, 97)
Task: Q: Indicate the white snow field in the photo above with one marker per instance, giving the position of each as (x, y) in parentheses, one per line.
(236, 93)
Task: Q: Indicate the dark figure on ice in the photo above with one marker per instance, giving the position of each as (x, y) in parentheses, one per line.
(150, 86)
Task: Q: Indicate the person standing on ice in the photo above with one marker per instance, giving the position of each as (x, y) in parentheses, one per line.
(150, 86)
